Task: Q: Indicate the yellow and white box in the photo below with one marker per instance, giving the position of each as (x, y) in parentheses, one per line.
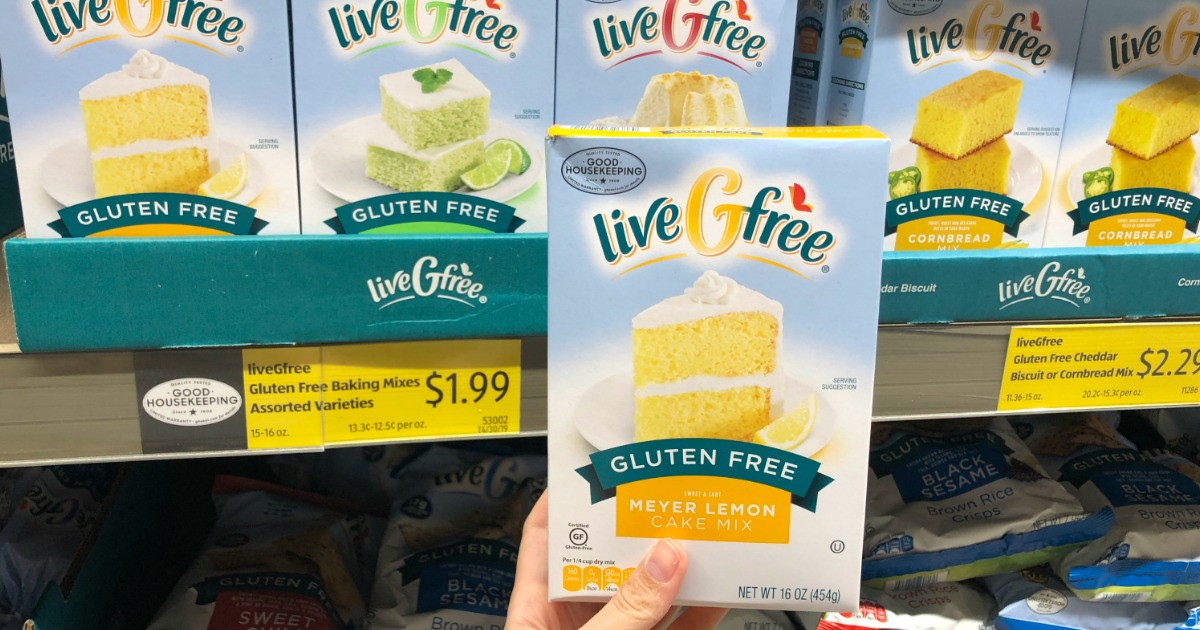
(712, 320)
(973, 94)
(1128, 173)
(152, 118)
(674, 63)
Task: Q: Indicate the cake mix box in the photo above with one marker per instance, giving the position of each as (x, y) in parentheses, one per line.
(672, 63)
(10, 200)
(152, 118)
(1127, 174)
(713, 305)
(973, 94)
(424, 116)
(811, 59)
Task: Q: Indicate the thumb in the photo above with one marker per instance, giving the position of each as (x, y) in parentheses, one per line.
(643, 601)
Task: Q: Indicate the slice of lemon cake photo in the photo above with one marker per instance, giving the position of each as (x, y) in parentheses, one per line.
(706, 363)
(148, 128)
(690, 99)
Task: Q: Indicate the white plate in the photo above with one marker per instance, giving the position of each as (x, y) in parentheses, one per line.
(604, 415)
(1102, 157)
(339, 162)
(67, 173)
(1024, 170)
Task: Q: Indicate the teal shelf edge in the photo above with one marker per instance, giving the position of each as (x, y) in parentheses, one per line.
(118, 294)
(1041, 284)
(112, 294)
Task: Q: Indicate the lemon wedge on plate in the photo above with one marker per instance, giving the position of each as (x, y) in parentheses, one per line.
(791, 429)
(230, 182)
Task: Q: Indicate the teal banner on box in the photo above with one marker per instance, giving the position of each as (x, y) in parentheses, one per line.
(10, 198)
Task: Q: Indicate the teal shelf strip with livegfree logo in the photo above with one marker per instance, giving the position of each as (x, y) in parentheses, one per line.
(108, 294)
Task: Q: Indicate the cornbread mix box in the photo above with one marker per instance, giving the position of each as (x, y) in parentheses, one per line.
(10, 200)
(713, 304)
(1127, 174)
(974, 94)
(673, 63)
(152, 118)
(424, 116)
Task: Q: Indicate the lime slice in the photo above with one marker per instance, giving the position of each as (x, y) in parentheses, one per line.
(522, 162)
(490, 172)
(230, 181)
(790, 430)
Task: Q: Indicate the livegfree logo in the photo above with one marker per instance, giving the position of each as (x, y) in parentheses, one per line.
(1055, 281)
(428, 279)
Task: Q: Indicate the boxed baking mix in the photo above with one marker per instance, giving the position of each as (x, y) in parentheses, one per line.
(713, 304)
(152, 118)
(811, 63)
(10, 200)
(424, 120)
(1127, 173)
(973, 94)
(672, 63)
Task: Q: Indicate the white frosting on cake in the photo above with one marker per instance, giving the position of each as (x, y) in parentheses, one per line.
(772, 381)
(405, 90)
(150, 146)
(145, 71)
(710, 296)
(382, 136)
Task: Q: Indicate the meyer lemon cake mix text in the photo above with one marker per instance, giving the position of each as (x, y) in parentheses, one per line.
(973, 92)
(424, 116)
(152, 118)
(1127, 174)
(673, 63)
(10, 201)
(713, 309)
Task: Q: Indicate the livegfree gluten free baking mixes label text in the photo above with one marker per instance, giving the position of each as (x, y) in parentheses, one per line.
(713, 301)
(973, 93)
(421, 116)
(152, 118)
(672, 63)
(1127, 174)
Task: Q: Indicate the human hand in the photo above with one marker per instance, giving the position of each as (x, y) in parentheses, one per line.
(642, 603)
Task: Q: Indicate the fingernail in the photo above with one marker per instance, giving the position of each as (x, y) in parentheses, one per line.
(662, 563)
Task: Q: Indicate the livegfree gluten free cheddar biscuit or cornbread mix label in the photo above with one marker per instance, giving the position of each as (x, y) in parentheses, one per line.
(421, 116)
(712, 316)
(152, 118)
(1127, 174)
(973, 94)
(674, 63)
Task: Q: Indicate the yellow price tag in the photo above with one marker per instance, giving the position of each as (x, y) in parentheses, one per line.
(283, 397)
(421, 389)
(1101, 365)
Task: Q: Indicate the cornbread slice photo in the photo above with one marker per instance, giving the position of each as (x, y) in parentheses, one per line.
(967, 114)
(690, 99)
(452, 111)
(1157, 118)
(705, 363)
(985, 169)
(1173, 169)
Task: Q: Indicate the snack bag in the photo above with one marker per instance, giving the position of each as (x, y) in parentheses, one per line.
(1151, 552)
(276, 556)
(959, 499)
(1034, 599)
(948, 606)
(50, 525)
(449, 554)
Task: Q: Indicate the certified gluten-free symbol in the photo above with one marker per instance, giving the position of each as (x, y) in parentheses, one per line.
(837, 546)
(579, 536)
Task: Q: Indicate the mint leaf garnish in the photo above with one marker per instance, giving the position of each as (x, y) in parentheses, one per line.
(430, 80)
